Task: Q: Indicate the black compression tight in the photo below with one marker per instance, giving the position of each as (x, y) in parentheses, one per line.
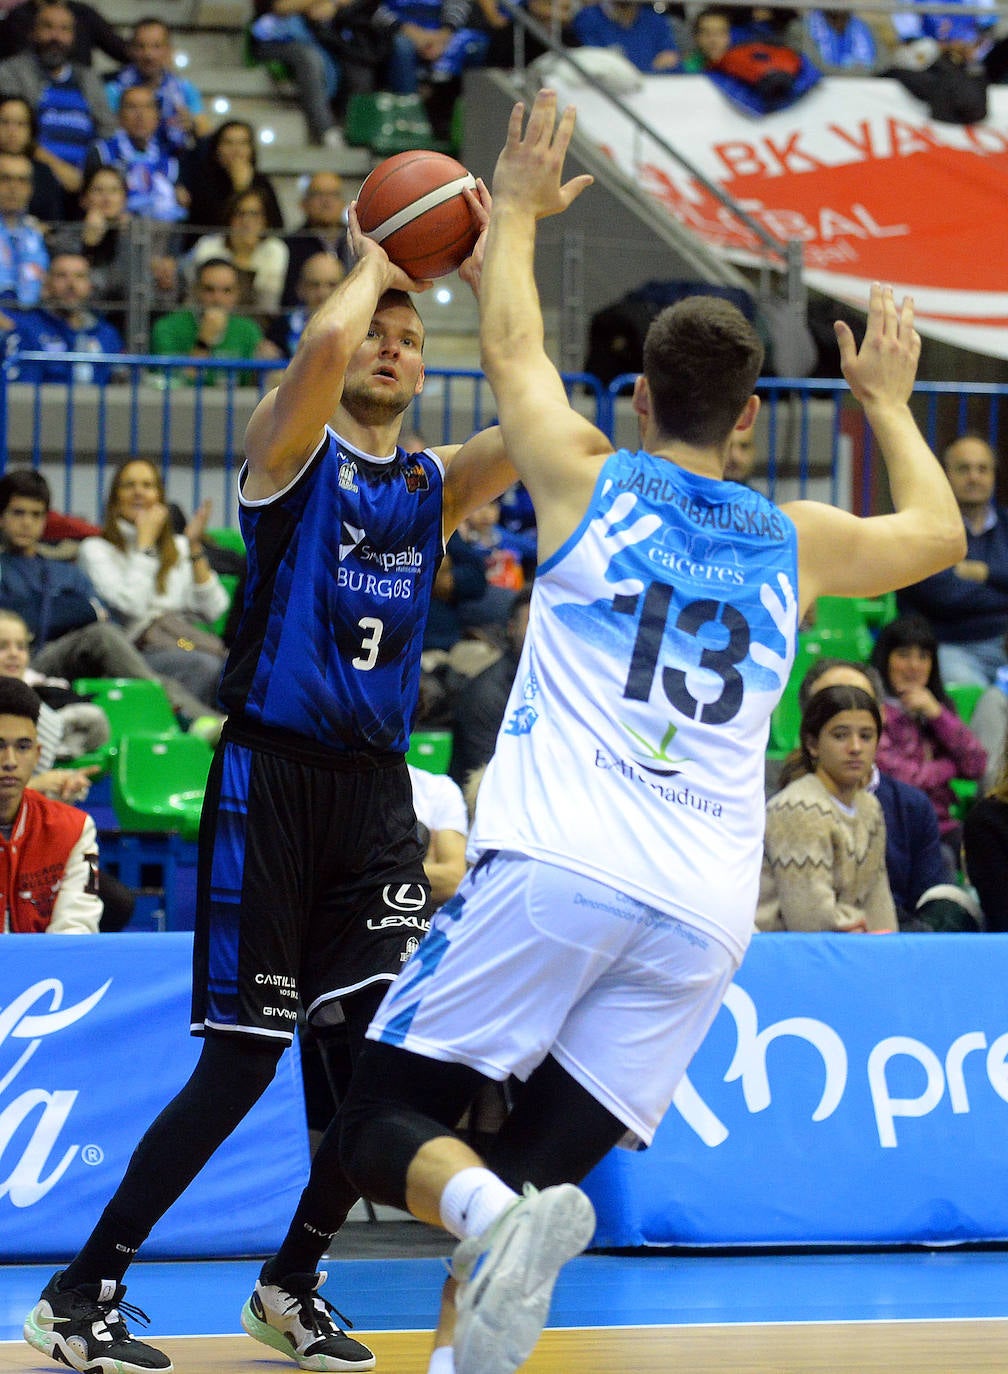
(232, 1073)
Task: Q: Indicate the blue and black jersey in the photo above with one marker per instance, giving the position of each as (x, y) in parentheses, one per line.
(340, 570)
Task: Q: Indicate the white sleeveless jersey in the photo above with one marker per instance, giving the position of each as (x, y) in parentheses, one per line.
(660, 637)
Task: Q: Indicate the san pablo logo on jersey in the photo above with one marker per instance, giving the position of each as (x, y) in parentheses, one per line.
(354, 540)
(348, 475)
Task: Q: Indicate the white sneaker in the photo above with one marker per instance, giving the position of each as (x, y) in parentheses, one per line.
(296, 1321)
(506, 1276)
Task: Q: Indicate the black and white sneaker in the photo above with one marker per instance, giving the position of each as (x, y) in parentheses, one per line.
(84, 1329)
(291, 1317)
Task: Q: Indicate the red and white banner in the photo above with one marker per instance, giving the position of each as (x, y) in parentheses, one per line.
(873, 188)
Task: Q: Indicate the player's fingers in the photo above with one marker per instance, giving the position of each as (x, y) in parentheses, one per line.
(542, 118)
(570, 190)
(906, 318)
(515, 124)
(479, 209)
(890, 315)
(845, 341)
(564, 130)
(875, 310)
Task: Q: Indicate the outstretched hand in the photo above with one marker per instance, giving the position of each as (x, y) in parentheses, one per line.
(883, 370)
(396, 278)
(529, 169)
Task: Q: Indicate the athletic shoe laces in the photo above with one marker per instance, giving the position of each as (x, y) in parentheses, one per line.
(316, 1314)
(113, 1312)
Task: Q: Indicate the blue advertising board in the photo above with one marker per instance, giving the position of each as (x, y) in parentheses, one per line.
(852, 1090)
(94, 1041)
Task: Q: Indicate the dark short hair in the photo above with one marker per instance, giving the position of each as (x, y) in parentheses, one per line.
(6, 98)
(24, 482)
(909, 631)
(18, 699)
(701, 360)
(215, 262)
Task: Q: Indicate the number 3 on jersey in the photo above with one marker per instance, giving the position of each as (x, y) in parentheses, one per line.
(651, 631)
(371, 638)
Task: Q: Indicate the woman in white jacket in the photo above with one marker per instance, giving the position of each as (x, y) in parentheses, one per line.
(142, 571)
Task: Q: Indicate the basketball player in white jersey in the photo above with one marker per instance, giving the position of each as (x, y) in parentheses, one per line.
(618, 833)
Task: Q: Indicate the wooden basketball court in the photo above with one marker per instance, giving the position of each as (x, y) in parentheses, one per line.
(882, 1348)
(922, 1312)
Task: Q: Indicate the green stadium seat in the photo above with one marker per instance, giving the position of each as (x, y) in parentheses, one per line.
(134, 706)
(388, 124)
(227, 539)
(158, 784)
(840, 625)
(430, 750)
(964, 697)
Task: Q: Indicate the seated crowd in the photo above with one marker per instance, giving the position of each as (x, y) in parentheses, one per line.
(82, 156)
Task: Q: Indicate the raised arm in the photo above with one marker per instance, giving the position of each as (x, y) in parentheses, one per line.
(289, 422)
(556, 451)
(843, 555)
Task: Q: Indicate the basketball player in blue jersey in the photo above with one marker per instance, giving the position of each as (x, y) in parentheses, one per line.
(311, 880)
(589, 948)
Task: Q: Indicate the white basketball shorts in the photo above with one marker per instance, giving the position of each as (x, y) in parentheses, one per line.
(529, 959)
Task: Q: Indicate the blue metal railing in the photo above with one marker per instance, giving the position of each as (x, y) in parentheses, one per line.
(814, 437)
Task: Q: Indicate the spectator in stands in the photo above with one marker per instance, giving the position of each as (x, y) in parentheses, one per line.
(839, 41)
(222, 165)
(148, 165)
(939, 60)
(68, 724)
(436, 40)
(967, 605)
(48, 850)
(319, 277)
(91, 30)
(23, 253)
(65, 323)
(923, 740)
(68, 99)
(258, 256)
(103, 238)
(917, 866)
(211, 329)
(989, 722)
(479, 707)
(555, 16)
(644, 37)
(324, 231)
(18, 132)
(180, 106)
(985, 849)
(444, 824)
(285, 31)
(70, 629)
(824, 847)
(502, 564)
(461, 579)
(712, 37)
(143, 572)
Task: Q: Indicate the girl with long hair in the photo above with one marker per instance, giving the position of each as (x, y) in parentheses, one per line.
(824, 849)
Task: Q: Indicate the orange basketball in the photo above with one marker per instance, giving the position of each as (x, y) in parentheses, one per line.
(413, 205)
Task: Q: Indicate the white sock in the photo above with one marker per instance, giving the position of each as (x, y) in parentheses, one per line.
(442, 1361)
(471, 1200)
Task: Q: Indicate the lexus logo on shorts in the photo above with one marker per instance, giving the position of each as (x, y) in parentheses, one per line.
(405, 897)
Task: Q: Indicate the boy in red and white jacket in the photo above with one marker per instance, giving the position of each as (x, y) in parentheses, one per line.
(48, 850)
